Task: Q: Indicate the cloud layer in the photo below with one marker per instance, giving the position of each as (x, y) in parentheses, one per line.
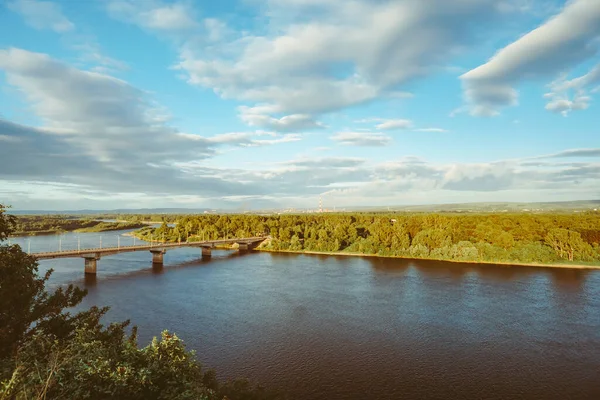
(303, 64)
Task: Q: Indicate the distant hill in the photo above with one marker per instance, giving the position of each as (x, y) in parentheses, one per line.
(494, 207)
(116, 211)
(579, 205)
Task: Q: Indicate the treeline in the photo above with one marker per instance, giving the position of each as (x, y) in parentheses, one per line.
(169, 218)
(43, 225)
(523, 238)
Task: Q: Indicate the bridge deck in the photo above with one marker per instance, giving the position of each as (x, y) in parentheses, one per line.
(153, 246)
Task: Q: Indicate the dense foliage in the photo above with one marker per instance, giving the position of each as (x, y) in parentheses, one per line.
(49, 353)
(523, 238)
(39, 225)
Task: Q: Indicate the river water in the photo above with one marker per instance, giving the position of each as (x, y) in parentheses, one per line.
(357, 328)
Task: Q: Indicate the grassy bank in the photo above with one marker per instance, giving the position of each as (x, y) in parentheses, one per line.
(39, 233)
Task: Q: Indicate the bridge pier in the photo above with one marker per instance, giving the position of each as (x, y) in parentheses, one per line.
(206, 252)
(91, 264)
(243, 247)
(157, 256)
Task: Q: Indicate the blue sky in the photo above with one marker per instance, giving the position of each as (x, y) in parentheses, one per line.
(275, 103)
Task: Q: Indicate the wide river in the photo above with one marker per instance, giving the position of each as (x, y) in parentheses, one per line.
(357, 328)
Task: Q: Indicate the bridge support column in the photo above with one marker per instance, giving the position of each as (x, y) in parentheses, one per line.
(90, 264)
(206, 252)
(244, 247)
(157, 256)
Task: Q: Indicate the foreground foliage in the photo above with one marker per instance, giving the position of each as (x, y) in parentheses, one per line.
(525, 238)
(49, 353)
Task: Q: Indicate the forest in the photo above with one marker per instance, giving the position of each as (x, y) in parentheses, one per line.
(506, 238)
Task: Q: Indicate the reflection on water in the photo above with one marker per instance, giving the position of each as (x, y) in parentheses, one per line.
(158, 268)
(362, 328)
(89, 281)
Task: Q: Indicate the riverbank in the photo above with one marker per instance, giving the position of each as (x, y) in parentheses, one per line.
(111, 226)
(146, 222)
(38, 233)
(354, 254)
(82, 226)
(504, 263)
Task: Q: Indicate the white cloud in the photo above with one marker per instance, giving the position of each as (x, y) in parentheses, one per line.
(362, 139)
(317, 57)
(92, 54)
(395, 124)
(287, 138)
(560, 43)
(154, 14)
(246, 139)
(99, 132)
(100, 114)
(569, 95)
(252, 116)
(572, 153)
(438, 130)
(42, 15)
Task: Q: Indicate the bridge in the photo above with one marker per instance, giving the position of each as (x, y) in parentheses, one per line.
(91, 256)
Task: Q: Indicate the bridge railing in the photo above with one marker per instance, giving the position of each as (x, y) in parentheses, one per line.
(144, 246)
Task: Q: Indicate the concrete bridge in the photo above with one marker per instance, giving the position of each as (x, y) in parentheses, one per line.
(91, 256)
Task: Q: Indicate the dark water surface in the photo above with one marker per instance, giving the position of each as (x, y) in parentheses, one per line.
(360, 328)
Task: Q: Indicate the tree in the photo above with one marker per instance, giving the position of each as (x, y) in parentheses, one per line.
(432, 238)
(7, 223)
(567, 243)
(464, 251)
(24, 300)
(295, 244)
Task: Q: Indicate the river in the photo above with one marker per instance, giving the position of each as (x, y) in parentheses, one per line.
(336, 328)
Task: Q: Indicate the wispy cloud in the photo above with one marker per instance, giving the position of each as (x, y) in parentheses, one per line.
(438, 130)
(42, 15)
(156, 15)
(395, 124)
(573, 153)
(361, 139)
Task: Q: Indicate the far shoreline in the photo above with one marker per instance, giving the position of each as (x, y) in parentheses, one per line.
(502, 263)
(348, 254)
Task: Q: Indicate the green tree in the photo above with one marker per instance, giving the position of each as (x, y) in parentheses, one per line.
(567, 244)
(295, 244)
(26, 308)
(432, 238)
